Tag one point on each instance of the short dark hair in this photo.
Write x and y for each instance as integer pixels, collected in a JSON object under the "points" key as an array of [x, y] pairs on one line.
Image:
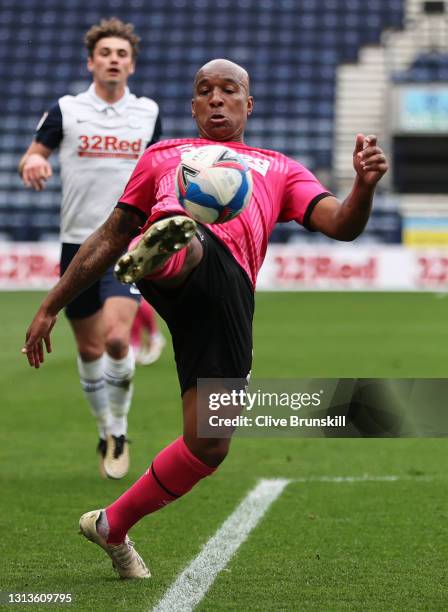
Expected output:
{"points": [[111, 27]]}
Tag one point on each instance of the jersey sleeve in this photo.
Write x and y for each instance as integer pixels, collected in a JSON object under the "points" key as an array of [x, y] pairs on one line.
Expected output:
{"points": [[150, 190], [302, 192], [49, 129], [139, 192], [157, 133]]}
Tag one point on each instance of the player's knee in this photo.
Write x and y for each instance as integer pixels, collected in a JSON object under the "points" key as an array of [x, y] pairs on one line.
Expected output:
{"points": [[117, 344], [89, 355], [90, 351]]}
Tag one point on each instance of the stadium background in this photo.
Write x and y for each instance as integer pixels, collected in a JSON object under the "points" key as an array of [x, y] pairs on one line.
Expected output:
{"points": [[321, 71]]}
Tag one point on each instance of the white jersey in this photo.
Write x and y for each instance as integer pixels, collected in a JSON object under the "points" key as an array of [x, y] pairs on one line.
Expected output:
{"points": [[99, 145]]}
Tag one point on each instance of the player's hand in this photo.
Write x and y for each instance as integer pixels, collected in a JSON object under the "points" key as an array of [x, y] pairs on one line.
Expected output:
{"points": [[39, 333], [36, 171], [369, 160]]}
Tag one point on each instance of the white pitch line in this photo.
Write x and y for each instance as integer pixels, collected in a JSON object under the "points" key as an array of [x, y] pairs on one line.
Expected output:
{"points": [[192, 584], [364, 478]]}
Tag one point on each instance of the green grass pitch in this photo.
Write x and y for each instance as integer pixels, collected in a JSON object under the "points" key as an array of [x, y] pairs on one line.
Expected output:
{"points": [[321, 546]]}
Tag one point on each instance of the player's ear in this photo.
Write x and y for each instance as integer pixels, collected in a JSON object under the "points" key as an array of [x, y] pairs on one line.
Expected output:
{"points": [[90, 63], [132, 68], [193, 114], [250, 105]]}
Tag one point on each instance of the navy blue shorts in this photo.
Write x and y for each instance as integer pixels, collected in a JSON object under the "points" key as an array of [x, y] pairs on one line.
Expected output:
{"points": [[93, 298], [209, 316]]}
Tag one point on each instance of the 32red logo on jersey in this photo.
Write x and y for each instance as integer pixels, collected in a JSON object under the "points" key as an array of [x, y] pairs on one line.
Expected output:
{"points": [[109, 146]]}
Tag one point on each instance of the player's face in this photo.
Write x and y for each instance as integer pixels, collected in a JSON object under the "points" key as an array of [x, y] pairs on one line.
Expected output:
{"points": [[112, 62], [221, 104]]}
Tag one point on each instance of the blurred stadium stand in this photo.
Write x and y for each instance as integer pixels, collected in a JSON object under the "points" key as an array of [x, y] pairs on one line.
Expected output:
{"points": [[431, 67], [295, 52]]}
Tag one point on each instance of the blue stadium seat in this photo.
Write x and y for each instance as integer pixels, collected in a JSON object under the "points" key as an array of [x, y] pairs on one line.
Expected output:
{"points": [[291, 49]]}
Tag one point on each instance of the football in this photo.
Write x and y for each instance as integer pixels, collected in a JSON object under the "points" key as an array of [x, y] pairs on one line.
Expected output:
{"points": [[213, 184]]}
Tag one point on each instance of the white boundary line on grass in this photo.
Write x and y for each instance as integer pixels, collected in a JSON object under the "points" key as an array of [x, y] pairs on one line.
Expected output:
{"points": [[194, 581], [364, 478], [192, 584]]}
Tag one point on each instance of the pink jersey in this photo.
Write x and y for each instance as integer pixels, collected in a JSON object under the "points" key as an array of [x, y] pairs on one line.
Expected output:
{"points": [[283, 190]]}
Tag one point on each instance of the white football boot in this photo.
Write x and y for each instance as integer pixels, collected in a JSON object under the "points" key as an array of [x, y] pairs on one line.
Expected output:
{"points": [[159, 242], [116, 459], [125, 559]]}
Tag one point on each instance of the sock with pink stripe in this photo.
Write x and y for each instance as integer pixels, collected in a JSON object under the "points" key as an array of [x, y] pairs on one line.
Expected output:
{"points": [[174, 471]]}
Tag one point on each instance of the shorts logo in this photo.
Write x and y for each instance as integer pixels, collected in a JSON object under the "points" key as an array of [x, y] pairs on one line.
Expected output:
{"points": [[109, 146]]}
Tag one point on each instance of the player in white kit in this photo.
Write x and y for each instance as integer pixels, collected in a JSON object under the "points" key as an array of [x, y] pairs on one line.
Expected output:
{"points": [[100, 133]]}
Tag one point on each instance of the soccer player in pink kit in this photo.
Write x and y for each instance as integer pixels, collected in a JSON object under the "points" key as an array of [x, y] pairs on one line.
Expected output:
{"points": [[201, 279]]}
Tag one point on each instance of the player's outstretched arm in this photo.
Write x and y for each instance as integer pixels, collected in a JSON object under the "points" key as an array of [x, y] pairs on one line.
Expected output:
{"points": [[34, 167], [346, 220], [97, 253]]}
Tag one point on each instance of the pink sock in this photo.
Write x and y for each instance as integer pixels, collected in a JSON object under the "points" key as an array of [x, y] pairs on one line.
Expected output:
{"points": [[144, 319], [174, 471], [171, 267], [148, 317], [136, 329]]}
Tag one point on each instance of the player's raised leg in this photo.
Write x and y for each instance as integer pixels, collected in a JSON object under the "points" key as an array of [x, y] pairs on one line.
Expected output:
{"points": [[119, 368], [151, 251]]}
